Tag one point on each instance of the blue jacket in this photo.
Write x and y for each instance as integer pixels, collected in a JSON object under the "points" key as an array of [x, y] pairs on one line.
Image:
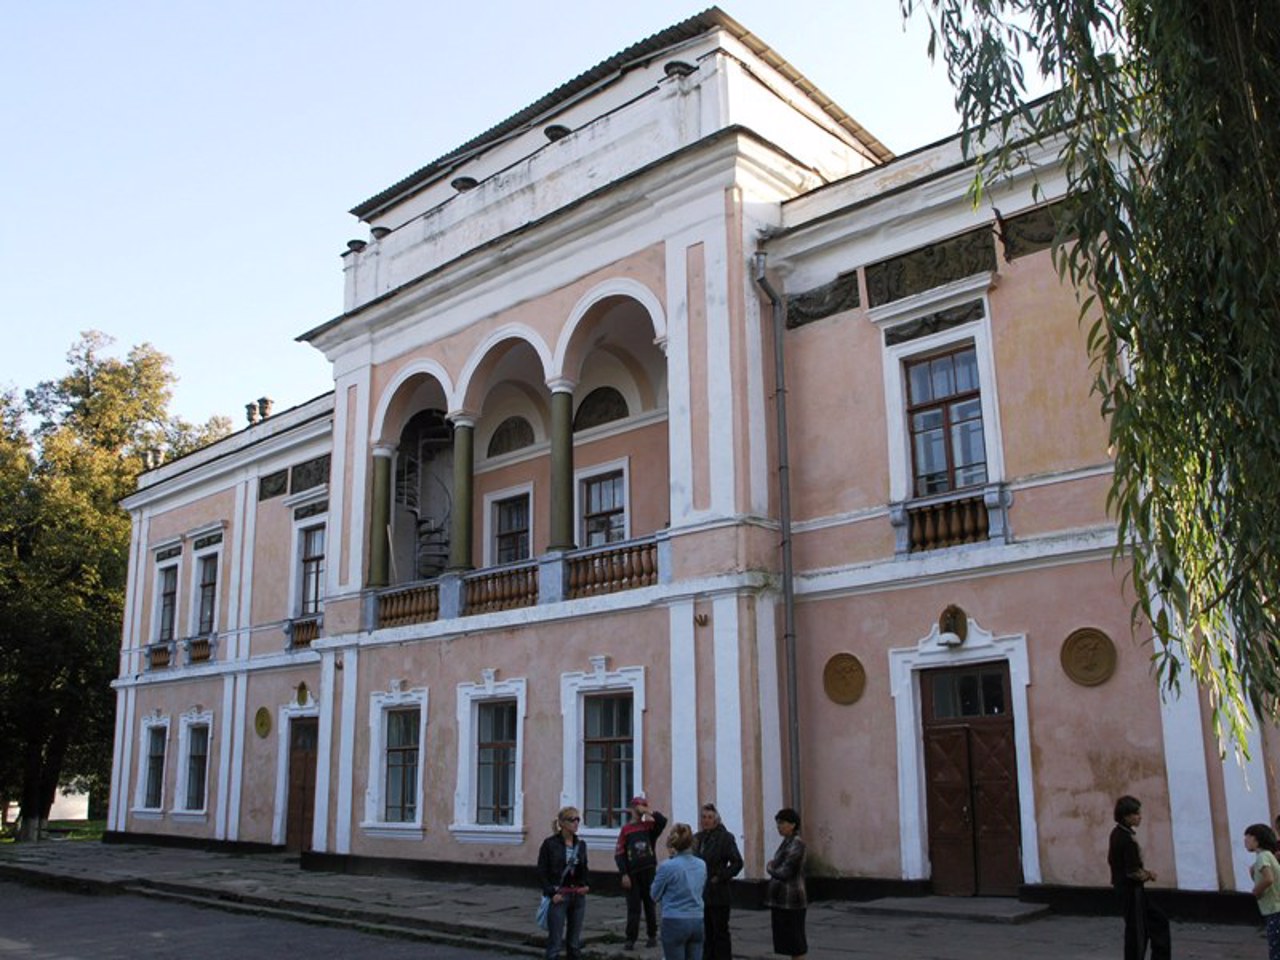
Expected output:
{"points": [[678, 884]]}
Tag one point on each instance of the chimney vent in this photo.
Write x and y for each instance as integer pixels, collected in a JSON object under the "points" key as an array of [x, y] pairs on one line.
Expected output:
{"points": [[251, 412], [264, 407]]}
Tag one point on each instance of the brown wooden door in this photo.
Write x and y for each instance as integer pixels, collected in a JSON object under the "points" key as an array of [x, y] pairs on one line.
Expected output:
{"points": [[300, 813], [971, 781]]}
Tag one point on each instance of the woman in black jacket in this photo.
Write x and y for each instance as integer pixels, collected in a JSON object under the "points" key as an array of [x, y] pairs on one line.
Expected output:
{"points": [[717, 848], [562, 868]]}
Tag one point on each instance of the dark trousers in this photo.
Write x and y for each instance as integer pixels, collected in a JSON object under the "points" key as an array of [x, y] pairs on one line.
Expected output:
{"points": [[1143, 923], [715, 918], [639, 894]]}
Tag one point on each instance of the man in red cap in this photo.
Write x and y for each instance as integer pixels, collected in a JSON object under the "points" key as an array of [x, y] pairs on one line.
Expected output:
{"points": [[637, 859]]}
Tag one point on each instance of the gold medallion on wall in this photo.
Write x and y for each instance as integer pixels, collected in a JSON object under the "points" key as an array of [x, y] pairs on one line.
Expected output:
{"points": [[844, 678], [262, 722], [1088, 656]]}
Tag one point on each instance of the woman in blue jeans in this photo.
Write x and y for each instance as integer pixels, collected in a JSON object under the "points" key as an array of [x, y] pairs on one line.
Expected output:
{"points": [[677, 888], [562, 868]]}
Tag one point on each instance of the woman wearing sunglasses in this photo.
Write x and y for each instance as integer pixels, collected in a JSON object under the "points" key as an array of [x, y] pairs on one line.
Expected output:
{"points": [[562, 868]]}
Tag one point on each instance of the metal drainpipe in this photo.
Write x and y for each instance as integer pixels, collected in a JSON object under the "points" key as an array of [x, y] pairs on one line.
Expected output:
{"points": [[784, 510]]}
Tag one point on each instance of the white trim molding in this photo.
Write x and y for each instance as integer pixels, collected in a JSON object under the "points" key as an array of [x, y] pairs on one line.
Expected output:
{"points": [[905, 666], [574, 689], [284, 716], [381, 703], [464, 828], [152, 721], [195, 717]]}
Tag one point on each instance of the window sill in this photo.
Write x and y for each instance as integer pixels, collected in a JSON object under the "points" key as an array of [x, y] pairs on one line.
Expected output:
{"points": [[189, 816], [484, 833], [394, 831], [600, 834], [147, 813]]}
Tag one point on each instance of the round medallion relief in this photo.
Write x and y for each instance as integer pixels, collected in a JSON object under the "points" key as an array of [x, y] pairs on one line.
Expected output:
{"points": [[844, 678], [1088, 656], [262, 722]]}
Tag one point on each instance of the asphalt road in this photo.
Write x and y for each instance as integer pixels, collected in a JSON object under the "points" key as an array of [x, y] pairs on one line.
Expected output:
{"points": [[42, 924]]}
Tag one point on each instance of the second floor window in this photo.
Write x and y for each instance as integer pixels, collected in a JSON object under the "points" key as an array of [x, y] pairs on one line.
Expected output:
{"points": [[608, 750], [511, 522], [312, 584], [168, 602], [604, 509], [208, 594], [402, 766], [944, 410]]}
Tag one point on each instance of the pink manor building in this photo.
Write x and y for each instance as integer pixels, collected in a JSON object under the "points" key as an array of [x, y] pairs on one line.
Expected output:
{"points": [[533, 549]]}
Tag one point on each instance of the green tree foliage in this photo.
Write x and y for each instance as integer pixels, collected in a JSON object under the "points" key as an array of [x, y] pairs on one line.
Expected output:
{"points": [[64, 543], [1167, 120]]}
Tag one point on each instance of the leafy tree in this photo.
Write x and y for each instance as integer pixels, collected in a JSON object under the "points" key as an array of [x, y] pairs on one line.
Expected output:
{"points": [[64, 544], [1167, 121]]}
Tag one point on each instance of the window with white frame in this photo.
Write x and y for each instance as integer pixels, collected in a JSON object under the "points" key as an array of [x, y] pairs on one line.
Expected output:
{"points": [[489, 800], [311, 570], [608, 755], [508, 525], [401, 766], [166, 601], [397, 736], [940, 389], [206, 593], [944, 416], [603, 714], [193, 758], [602, 494], [154, 739]]}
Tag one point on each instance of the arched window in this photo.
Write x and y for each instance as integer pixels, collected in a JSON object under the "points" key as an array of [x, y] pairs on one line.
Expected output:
{"points": [[513, 433], [601, 405]]}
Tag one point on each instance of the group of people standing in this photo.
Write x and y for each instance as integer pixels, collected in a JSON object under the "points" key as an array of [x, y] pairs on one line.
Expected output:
{"points": [[692, 886], [1145, 923]]}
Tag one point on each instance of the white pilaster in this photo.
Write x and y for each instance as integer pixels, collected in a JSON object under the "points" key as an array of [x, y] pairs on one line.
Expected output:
{"points": [[346, 751], [684, 714], [728, 679], [1187, 774]]}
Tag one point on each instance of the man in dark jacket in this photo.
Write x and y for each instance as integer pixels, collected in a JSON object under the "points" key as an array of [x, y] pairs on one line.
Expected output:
{"points": [[637, 859], [1143, 922], [719, 850]]}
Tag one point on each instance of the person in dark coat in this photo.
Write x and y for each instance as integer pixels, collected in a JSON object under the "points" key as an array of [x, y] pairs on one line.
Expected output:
{"points": [[786, 897], [562, 870], [637, 858], [717, 848], [1143, 922]]}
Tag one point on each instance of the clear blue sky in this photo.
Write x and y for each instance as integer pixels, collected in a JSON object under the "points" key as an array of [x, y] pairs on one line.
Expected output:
{"points": [[179, 171]]}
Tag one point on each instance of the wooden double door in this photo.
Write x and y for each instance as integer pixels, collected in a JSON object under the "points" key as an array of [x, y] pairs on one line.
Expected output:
{"points": [[972, 781], [300, 810]]}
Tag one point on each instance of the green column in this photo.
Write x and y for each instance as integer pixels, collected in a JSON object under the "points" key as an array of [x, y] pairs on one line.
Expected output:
{"points": [[380, 518], [463, 456], [562, 467]]}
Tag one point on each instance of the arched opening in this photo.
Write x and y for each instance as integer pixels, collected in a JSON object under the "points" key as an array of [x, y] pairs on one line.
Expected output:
{"points": [[423, 504]]}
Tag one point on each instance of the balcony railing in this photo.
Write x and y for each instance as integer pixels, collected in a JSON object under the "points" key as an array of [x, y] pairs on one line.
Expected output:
{"points": [[303, 631], [159, 655], [419, 603], [202, 648], [624, 566], [950, 520], [502, 589], [549, 579]]}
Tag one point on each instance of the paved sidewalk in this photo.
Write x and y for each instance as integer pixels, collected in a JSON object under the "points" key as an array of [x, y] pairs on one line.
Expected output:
{"points": [[501, 917]]}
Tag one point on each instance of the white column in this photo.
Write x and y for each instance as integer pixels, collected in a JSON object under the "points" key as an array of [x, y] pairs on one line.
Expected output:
{"points": [[346, 750], [1245, 782], [684, 714], [228, 735], [771, 773], [728, 680], [1187, 775], [324, 752], [679, 438]]}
